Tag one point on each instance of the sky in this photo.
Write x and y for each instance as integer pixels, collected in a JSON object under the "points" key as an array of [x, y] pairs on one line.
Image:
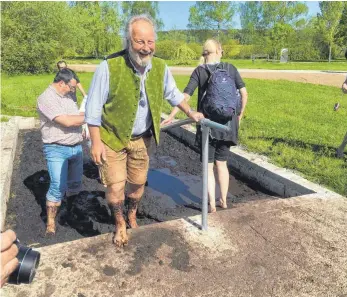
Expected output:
{"points": [[175, 14]]}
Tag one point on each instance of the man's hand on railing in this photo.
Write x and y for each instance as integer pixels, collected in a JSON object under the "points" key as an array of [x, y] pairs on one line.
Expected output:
{"points": [[167, 121], [196, 116]]}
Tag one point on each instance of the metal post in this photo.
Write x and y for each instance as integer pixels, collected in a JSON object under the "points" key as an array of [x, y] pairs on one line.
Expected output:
{"points": [[205, 126], [205, 136]]}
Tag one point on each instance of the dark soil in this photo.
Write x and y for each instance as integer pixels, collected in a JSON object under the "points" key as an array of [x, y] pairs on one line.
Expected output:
{"points": [[89, 213]]}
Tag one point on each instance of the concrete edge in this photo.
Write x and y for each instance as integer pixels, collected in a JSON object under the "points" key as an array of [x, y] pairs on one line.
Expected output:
{"points": [[280, 181], [9, 138]]}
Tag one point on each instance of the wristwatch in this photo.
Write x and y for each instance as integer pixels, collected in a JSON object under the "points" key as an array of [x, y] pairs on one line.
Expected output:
{"points": [[189, 111]]}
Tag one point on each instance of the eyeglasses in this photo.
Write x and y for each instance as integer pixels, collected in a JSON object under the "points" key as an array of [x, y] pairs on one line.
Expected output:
{"points": [[72, 88]]}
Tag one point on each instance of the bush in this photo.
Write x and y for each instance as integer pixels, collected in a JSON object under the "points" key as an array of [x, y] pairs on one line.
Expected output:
{"points": [[184, 55], [197, 48], [166, 49]]}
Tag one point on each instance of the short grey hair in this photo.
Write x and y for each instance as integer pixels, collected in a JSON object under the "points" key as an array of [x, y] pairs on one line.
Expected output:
{"points": [[131, 21]]}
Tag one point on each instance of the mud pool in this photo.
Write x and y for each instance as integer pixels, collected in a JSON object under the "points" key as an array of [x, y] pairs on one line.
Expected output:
{"points": [[174, 191]]}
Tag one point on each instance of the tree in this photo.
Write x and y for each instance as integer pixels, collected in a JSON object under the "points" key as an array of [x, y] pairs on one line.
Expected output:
{"points": [[151, 8], [341, 35], [33, 35], [98, 25], [270, 25], [216, 15], [328, 21]]}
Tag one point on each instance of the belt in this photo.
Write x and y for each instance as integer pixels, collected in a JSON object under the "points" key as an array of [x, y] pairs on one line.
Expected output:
{"points": [[68, 145], [148, 133]]}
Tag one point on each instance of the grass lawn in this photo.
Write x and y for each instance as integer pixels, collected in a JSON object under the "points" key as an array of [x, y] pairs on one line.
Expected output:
{"points": [[258, 64], [292, 123]]}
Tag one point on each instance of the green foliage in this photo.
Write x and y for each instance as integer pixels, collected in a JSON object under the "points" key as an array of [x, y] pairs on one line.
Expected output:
{"points": [[31, 36], [151, 8], [328, 21], [183, 54], [196, 48], [166, 49], [35, 35], [211, 15]]}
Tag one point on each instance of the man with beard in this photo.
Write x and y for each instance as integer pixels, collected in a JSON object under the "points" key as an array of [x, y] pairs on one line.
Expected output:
{"points": [[62, 137], [123, 112]]}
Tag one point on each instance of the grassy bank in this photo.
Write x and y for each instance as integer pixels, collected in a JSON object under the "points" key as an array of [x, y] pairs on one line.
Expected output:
{"points": [[292, 123]]}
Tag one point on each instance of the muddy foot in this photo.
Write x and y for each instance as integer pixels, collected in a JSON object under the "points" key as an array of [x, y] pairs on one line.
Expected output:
{"points": [[50, 230], [120, 238]]}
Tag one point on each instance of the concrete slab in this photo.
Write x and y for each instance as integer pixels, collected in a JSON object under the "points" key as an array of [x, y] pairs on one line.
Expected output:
{"points": [[9, 137], [284, 247]]}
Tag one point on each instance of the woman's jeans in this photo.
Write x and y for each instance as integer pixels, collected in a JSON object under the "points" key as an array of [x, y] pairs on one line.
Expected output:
{"points": [[65, 168]]}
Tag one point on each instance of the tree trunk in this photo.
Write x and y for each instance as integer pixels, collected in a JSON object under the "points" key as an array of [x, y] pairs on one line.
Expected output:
{"points": [[329, 53]]}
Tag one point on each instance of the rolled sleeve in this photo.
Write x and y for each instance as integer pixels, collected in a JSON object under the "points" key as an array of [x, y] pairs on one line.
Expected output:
{"points": [[97, 94], [171, 93]]}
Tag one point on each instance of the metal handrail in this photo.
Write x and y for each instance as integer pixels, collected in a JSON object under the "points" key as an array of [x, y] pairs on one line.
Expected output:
{"points": [[206, 125]]}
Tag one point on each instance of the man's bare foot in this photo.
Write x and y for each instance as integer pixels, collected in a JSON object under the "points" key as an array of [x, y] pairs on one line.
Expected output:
{"points": [[120, 238]]}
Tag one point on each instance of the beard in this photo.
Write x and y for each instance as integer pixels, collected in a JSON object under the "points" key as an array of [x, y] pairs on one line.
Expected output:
{"points": [[142, 58]]}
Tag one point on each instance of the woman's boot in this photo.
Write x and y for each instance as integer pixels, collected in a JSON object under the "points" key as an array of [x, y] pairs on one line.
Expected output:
{"points": [[51, 214]]}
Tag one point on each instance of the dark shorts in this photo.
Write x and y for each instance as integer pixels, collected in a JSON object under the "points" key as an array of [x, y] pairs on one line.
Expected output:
{"points": [[218, 150]]}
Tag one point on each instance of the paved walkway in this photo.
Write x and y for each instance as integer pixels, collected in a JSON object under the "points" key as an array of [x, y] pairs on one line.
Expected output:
{"points": [[277, 247]]}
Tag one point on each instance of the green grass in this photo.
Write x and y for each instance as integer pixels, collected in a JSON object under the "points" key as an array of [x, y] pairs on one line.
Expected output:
{"points": [[4, 119], [19, 93], [294, 125], [291, 123]]}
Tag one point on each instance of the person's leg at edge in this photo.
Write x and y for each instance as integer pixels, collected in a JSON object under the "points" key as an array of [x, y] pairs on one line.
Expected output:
{"points": [[223, 180], [115, 199], [221, 155], [57, 165], [211, 188]]}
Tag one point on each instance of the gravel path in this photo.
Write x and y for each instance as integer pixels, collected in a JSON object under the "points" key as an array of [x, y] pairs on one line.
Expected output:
{"points": [[304, 76]]}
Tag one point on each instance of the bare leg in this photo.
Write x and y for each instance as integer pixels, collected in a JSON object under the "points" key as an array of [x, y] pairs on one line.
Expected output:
{"points": [[135, 193], [223, 180], [115, 198], [52, 209], [211, 187], [341, 148]]}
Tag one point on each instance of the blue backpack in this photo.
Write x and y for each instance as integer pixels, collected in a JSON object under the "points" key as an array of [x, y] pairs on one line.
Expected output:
{"points": [[221, 99]]}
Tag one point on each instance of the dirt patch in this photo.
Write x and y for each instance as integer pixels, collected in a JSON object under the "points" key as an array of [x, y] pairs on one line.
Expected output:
{"points": [[88, 214]]}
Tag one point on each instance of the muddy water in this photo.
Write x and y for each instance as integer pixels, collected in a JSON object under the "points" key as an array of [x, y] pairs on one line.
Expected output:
{"points": [[174, 191]]}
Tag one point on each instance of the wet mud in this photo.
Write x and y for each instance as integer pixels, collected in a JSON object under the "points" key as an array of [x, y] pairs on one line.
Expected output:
{"points": [[173, 191]]}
